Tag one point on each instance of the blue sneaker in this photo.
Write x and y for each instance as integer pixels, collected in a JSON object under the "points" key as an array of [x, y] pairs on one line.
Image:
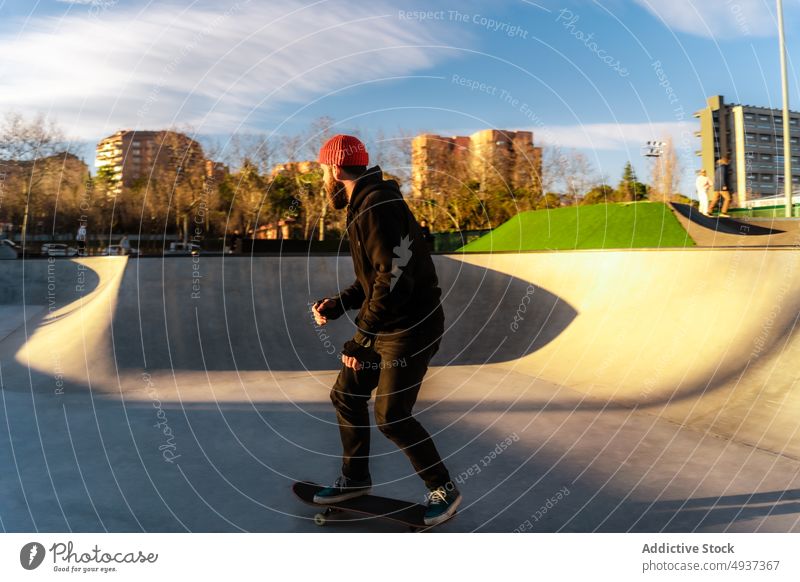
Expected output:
{"points": [[442, 504], [343, 489]]}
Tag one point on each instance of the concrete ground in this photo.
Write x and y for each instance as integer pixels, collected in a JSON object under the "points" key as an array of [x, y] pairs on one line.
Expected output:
{"points": [[574, 391]]}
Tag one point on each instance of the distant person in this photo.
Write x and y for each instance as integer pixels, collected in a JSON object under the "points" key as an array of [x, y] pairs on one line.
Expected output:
{"points": [[81, 239], [722, 187], [234, 241], [703, 185], [125, 245], [426, 233], [400, 326]]}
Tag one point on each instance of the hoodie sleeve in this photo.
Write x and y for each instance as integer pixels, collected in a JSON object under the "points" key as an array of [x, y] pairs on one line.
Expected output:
{"points": [[352, 297], [381, 224]]}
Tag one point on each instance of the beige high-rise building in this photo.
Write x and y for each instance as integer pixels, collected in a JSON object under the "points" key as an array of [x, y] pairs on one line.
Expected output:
{"points": [[304, 167], [495, 159], [132, 155]]}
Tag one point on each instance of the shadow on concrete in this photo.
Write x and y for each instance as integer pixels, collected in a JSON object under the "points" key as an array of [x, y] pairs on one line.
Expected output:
{"points": [[712, 512], [254, 314], [721, 224], [101, 466], [53, 284]]}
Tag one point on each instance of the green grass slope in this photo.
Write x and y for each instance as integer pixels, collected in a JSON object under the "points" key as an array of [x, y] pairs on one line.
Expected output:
{"points": [[600, 226]]}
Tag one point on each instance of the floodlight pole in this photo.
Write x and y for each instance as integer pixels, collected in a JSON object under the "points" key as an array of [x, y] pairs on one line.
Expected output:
{"points": [[787, 140]]}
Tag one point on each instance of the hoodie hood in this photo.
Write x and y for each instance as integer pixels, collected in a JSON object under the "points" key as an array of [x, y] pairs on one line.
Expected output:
{"points": [[370, 181]]}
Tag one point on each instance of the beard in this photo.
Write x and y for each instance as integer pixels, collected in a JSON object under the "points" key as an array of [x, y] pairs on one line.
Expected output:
{"points": [[337, 195]]}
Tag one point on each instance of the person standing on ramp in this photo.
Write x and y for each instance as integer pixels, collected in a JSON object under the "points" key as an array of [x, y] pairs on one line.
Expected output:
{"points": [[399, 327]]}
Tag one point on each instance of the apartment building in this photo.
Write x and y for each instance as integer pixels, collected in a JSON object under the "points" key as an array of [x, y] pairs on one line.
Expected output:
{"points": [[133, 155], [751, 137], [495, 158]]}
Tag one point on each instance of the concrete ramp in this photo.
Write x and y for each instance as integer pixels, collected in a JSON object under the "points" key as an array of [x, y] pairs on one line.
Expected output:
{"points": [[240, 314], [716, 231], [707, 339], [651, 390], [12, 317]]}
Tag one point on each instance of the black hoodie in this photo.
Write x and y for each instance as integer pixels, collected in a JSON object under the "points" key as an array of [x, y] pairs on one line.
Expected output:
{"points": [[396, 284]]}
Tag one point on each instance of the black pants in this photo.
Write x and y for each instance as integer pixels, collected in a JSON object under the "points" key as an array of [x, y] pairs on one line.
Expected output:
{"points": [[396, 368]]}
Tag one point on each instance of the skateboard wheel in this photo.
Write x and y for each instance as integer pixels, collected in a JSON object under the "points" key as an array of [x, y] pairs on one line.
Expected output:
{"points": [[319, 519]]}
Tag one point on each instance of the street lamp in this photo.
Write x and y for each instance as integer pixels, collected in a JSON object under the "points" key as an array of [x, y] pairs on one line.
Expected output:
{"points": [[653, 149], [787, 141]]}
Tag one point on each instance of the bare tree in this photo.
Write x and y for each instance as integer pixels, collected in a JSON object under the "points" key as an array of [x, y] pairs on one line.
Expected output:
{"points": [[250, 195], [554, 168], [580, 175], [27, 145], [393, 153], [321, 130], [255, 148], [666, 173], [179, 176]]}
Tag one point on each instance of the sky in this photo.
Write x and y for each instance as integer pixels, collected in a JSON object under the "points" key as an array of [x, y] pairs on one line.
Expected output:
{"points": [[602, 77]]}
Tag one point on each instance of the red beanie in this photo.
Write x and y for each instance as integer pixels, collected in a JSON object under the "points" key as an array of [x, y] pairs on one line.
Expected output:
{"points": [[343, 150]]}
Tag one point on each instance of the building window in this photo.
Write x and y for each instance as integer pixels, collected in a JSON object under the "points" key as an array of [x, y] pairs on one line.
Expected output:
{"points": [[749, 137], [766, 177], [764, 138], [766, 157], [763, 118], [749, 116]]}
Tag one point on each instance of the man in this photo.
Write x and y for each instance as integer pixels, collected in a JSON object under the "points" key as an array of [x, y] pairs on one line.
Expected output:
{"points": [[400, 324], [426, 233], [81, 239], [702, 186], [234, 242], [721, 188]]}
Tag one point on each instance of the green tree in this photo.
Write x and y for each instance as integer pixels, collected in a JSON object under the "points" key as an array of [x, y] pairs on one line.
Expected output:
{"points": [[281, 199], [602, 194], [630, 189], [249, 195]]}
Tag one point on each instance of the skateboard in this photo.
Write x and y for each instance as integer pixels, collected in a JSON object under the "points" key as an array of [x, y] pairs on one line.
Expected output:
{"points": [[403, 512]]}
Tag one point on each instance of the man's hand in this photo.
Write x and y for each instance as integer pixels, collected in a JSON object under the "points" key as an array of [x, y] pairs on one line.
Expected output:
{"points": [[320, 307], [351, 362], [354, 355]]}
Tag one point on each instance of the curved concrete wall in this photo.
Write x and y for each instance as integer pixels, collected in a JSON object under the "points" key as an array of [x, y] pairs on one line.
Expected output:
{"points": [[53, 282], [705, 338]]}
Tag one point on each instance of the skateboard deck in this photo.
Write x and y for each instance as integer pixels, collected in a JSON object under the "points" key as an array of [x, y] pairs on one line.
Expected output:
{"points": [[403, 512]]}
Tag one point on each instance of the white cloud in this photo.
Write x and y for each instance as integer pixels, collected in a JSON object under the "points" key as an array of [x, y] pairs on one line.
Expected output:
{"points": [[166, 65], [92, 2], [716, 18], [610, 137], [616, 136]]}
